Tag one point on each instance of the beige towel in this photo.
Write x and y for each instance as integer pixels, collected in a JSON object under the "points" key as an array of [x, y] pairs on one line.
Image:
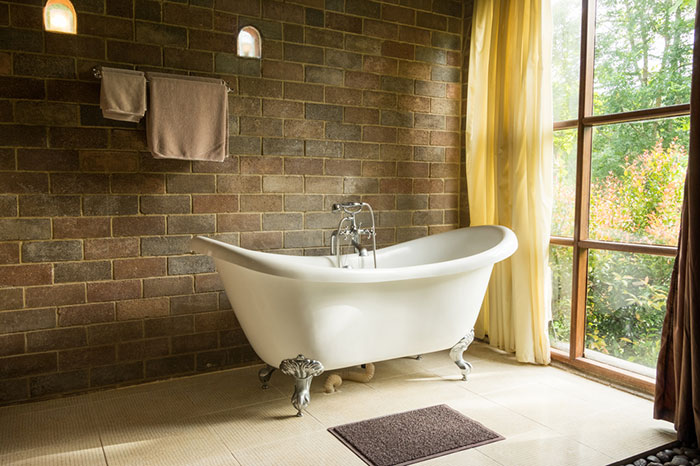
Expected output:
{"points": [[187, 118], [123, 94]]}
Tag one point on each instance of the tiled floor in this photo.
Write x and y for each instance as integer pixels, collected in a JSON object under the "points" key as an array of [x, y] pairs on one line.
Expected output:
{"points": [[548, 416]]}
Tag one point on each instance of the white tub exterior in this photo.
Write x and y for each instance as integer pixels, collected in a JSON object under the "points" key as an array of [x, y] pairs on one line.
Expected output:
{"points": [[424, 296]]}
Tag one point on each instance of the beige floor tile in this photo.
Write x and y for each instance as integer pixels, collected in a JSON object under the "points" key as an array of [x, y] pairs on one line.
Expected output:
{"points": [[310, 449], [52, 431], [50, 457], [543, 447], [177, 450], [471, 457], [258, 424]]}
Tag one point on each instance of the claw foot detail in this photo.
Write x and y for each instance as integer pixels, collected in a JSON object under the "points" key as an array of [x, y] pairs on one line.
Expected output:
{"points": [[265, 374], [303, 370], [457, 351]]}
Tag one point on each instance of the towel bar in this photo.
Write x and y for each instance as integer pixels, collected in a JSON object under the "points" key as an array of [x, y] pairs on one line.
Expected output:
{"points": [[97, 72]]}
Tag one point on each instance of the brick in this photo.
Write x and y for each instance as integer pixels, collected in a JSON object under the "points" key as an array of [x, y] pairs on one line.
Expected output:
{"points": [[238, 222], [343, 167], [229, 165], [343, 22], [47, 159], [282, 108], [398, 50], [25, 275], [85, 314], [170, 366], [446, 41], [195, 342], [431, 21], [23, 135], [324, 37], [72, 91], [44, 66], [208, 282], [31, 319], [261, 203], [409, 233], [302, 91], [321, 220], [139, 267], [282, 70], [11, 344], [109, 161], [356, 150], [413, 169], [143, 349], [82, 271], [378, 134], [395, 185], [201, 302], [115, 374], [109, 248], [303, 166], [21, 88], [303, 129], [340, 95], [18, 366], [428, 186], [380, 29], [187, 59], [46, 340], [190, 264], [52, 251], [129, 140], [191, 183], [129, 52], [244, 7], [360, 185], [178, 224], [379, 99], [444, 201], [147, 9], [275, 146], [13, 390], [255, 126], [343, 132], [362, 80], [214, 203], [43, 205], [138, 226], [9, 253], [168, 326], [8, 206], [46, 113], [429, 121], [261, 240], [165, 245], [142, 308], [324, 148], [79, 183], [314, 17], [260, 87], [114, 332], [70, 138], [398, 14], [371, 168], [187, 16], [81, 358], [342, 59], [228, 63], [210, 321], [281, 184], [444, 73], [55, 295], [317, 74], [431, 55], [113, 290], [324, 184], [167, 286], [444, 170], [282, 221], [414, 136], [165, 204], [76, 46], [22, 183], [428, 217], [380, 65]]}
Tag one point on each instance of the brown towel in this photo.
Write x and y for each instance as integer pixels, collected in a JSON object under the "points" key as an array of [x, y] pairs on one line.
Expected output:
{"points": [[123, 94], [187, 118]]}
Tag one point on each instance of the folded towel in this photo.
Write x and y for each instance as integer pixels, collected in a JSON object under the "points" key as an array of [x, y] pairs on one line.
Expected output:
{"points": [[123, 94], [187, 118]]}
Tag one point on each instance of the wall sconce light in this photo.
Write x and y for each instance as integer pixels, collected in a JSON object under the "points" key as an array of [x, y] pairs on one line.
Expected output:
{"points": [[59, 16], [249, 42]]}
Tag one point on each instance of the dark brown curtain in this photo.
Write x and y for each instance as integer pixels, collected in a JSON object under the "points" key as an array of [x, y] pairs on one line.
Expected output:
{"points": [[677, 396]]}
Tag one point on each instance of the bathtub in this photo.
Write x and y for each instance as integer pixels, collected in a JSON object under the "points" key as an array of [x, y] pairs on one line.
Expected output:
{"points": [[424, 296]]}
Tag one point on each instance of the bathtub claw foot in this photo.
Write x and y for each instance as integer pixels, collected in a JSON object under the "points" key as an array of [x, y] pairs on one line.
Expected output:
{"points": [[457, 351], [265, 374], [303, 370]]}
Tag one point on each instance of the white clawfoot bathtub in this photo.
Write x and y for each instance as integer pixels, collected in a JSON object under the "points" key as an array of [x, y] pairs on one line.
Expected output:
{"points": [[424, 296]]}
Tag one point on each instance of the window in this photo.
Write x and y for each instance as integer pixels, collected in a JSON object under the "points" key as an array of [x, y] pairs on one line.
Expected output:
{"points": [[249, 42], [59, 16], [621, 87]]}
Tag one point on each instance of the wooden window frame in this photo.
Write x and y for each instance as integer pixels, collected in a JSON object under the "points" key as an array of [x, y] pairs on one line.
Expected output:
{"points": [[580, 242]]}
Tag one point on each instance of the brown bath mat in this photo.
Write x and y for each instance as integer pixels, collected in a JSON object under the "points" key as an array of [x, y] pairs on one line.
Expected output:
{"points": [[413, 436]]}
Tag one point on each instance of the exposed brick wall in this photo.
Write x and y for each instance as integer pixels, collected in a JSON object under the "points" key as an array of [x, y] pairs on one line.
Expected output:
{"points": [[353, 100]]}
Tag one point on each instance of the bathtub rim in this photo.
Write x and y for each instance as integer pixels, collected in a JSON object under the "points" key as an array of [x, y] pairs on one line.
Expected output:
{"points": [[292, 267]]}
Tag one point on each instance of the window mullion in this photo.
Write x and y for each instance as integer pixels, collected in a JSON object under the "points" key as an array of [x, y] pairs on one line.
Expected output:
{"points": [[583, 175]]}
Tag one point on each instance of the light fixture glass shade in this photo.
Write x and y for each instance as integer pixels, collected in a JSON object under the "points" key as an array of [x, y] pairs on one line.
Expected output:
{"points": [[249, 42], [59, 16]]}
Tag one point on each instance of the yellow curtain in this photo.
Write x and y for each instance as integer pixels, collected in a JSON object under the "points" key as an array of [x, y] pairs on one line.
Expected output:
{"points": [[509, 165]]}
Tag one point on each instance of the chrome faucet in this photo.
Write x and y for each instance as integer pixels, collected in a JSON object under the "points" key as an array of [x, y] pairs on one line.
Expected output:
{"points": [[353, 231]]}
